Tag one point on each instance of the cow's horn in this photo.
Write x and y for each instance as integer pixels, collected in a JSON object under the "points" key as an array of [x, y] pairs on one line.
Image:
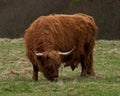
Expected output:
{"points": [[66, 53], [39, 54]]}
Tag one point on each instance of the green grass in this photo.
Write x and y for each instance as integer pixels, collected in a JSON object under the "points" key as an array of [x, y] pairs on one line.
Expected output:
{"points": [[16, 73]]}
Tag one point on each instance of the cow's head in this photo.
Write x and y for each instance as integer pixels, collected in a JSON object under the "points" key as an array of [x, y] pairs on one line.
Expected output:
{"points": [[50, 63]]}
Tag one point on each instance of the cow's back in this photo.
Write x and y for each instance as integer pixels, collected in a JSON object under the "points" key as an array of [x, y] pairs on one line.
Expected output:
{"points": [[60, 32]]}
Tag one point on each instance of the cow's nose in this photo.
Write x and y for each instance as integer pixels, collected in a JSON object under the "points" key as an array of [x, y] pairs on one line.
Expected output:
{"points": [[55, 79]]}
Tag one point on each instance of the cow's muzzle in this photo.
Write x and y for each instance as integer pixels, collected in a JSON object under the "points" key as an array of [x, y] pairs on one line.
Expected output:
{"points": [[54, 79]]}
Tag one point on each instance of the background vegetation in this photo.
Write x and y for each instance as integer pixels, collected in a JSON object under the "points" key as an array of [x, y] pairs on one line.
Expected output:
{"points": [[17, 15], [16, 73], [16, 70]]}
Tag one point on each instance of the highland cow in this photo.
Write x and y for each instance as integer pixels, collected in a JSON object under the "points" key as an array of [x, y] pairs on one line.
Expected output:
{"points": [[51, 40]]}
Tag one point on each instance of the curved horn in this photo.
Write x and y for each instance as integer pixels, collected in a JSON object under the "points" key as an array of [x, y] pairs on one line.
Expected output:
{"points": [[38, 54], [66, 53]]}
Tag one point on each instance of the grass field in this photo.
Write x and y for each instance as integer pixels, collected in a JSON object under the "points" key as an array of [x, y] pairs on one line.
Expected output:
{"points": [[16, 73]]}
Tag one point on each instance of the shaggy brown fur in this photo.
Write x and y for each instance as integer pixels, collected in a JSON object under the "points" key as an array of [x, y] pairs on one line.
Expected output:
{"points": [[54, 33]]}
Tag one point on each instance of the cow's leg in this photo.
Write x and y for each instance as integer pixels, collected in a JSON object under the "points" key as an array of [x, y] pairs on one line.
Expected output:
{"points": [[90, 69], [33, 60], [35, 73], [89, 52], [84, 65], [35, 70]]}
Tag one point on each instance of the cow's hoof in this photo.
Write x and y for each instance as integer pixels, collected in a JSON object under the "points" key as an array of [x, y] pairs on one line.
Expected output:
{"points": [[91, 73], [34, 79], [84, 75]]}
